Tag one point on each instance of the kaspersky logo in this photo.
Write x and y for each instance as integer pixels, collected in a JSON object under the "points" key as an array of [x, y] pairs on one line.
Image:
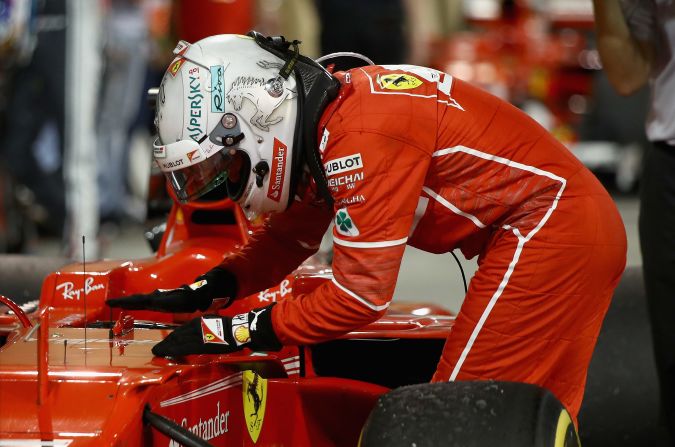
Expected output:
{"points": [[278, 170]]}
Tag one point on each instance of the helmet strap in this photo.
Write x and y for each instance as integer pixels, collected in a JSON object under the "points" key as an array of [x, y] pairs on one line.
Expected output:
{"points": [[288, 67], [316, 88]]}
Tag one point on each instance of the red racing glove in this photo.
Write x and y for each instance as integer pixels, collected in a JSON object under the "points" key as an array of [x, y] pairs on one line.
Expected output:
{"points": [[213, 334], [199, 295]]}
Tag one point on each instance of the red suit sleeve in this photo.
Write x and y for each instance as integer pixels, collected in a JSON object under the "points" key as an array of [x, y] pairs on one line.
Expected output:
{"points": [[283, 242], [375, 181]]}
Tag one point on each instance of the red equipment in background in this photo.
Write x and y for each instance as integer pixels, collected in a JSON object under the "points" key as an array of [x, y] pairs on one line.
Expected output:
{"points": [[527, 56]]}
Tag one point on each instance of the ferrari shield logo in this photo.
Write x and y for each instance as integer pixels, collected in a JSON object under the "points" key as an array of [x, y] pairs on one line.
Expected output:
{"points": [[175, 66], [255, 397], [398, 81], [212, 331]]}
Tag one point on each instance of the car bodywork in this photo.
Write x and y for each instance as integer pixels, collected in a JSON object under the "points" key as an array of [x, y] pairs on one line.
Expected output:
{"points": [[75, 372]]}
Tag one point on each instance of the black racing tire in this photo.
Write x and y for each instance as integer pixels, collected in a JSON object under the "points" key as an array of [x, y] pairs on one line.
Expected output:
{"points": [[621, 401], [21, 276], [469, 414]]}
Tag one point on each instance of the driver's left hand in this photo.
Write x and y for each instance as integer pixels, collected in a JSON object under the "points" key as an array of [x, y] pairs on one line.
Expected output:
{"points": [[215, 334]]}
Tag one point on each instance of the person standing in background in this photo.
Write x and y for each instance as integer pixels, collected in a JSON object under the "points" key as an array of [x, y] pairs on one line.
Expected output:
{"points": [[635, 39], [35, 99], [375, 28], [59, 83], [125, 59], [400, 31]]}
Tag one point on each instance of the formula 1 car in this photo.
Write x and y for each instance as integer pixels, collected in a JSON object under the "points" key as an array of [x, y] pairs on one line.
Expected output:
{"points": [[74, 372]]}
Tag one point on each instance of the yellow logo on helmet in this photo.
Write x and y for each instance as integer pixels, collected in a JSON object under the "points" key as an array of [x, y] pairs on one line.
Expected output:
{"points": [[255, 400], [175, 66], [398, 81]]}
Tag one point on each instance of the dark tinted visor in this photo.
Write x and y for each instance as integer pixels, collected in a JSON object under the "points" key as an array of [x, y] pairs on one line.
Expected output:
{"points": [[194, 181]]}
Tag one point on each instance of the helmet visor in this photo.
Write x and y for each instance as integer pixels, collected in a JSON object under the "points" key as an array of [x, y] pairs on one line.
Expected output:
{"points": [[191, 174]]}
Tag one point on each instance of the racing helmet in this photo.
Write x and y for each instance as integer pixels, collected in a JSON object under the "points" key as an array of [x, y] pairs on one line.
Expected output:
{"points": [[227, 114]]}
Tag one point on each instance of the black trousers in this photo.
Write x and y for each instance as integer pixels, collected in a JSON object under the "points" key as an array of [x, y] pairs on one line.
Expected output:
{"points": [[37, 96], [657, 242], [374, 28]]}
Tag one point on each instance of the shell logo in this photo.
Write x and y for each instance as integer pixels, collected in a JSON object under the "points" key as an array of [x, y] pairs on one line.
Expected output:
{"points": [[242, 334]]}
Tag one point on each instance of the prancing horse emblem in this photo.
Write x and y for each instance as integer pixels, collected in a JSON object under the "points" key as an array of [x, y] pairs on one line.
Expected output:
{"points": [[255, 399]]}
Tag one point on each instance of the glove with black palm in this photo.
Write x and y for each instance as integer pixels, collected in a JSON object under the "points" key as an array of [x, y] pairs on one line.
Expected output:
{"points": [[213, 334], [199, 295]]}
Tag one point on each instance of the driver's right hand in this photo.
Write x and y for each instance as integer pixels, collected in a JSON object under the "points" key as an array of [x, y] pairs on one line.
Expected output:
{"points": [[216, 283]]}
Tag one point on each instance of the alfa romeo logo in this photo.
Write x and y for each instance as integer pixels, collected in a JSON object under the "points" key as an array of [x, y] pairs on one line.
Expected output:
{"points": [[344, 223]]}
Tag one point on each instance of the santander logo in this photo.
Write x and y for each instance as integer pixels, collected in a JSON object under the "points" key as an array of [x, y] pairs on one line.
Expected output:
{"points": [[278, 170]]}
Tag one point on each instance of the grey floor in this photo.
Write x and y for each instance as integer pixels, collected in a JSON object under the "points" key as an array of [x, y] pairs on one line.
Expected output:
{"points": [[423, 277]]}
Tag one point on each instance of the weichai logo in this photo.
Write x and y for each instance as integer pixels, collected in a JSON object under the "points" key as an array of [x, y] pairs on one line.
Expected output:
{"points": [[278, 170]]}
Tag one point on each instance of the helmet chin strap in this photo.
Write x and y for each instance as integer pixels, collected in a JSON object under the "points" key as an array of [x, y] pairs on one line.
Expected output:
{"points": [[316, 89]]}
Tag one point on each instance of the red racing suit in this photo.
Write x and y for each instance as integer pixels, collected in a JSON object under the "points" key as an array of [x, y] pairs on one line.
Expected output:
{"points": [[414, 156]]}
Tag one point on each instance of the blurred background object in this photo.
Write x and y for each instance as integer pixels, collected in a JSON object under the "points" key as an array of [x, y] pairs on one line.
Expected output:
{"points": [[635, 41], [125, 53], [48, 92], [377, 30]]}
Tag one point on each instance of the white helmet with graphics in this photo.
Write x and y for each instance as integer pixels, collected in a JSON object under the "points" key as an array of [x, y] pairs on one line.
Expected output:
{"points": [[227, 113]]}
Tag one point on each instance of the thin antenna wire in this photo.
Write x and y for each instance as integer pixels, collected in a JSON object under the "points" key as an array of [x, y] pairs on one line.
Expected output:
{"points": [[111, 334], [84, 287]]}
